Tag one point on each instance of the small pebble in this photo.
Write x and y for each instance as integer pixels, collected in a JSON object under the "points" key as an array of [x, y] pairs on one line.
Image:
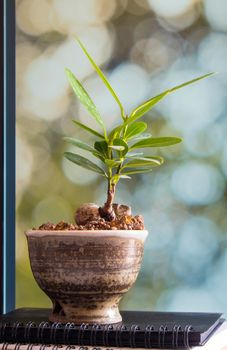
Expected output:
{"points": [[86, 213], [122, 210]]}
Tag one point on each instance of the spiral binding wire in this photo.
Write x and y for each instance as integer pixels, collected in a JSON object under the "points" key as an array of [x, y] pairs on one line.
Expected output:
{"points": [[30, 346], [93, 330], [40, 331], [27, 330], [93, 335], [56, 347], [14, 330], [132, 340], [118, 336], [175, 334], [106, 330], [82, 328], [67, 328], [5, 345], [42, 347], [53, 331], [70, 347], [118, 339], [187, 330], [147, 340], [17, 346], [2, 331], [161, 336]]}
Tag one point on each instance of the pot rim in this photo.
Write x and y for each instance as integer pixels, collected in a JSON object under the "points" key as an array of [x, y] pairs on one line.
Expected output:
{"points": [[138, 234]]}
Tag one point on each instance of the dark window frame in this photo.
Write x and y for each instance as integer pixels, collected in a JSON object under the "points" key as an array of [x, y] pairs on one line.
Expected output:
{"points": [[7, 156]]}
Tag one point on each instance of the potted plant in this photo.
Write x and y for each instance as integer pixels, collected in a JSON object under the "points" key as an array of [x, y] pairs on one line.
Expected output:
{"points": [[86, 268]]}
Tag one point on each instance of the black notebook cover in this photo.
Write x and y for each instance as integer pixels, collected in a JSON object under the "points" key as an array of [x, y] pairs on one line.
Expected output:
{"points": [[139, 329]]}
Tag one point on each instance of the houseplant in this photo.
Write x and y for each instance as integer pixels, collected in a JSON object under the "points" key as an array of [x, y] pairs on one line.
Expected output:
{"points": [[86, 268]]}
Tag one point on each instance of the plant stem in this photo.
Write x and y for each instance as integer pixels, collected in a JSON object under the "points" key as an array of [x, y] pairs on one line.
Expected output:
{"points": [[107, 211], [110, 195]]}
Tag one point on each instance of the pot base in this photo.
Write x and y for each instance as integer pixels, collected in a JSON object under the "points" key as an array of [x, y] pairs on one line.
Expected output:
{"points": [[79, 315]]}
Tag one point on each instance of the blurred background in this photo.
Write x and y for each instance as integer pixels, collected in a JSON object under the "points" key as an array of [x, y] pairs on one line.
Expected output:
{"points": [[144, 47]]}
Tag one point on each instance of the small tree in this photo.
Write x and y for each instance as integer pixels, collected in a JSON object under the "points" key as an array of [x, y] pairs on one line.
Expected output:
{"points": [[119, 149]]}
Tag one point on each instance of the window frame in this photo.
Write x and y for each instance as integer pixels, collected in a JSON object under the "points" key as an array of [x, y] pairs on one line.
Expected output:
{"points": [[7, 156]]}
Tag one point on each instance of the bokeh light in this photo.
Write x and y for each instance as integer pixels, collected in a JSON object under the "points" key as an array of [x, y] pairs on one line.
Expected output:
{"points": [[24, 163], [52, 208], [216, 279], [180, 109], [132, 84], [212, 54], [224, 159], [69, 54], [196, 183], [191, 262], [45, 70], [205, 142], [34, 17], [178, 23], [188, 298], [215, 13], [170, 8], [157, 52], [72, 17]]}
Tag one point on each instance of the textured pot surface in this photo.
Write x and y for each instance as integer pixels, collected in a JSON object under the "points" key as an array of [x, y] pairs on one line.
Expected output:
{"points": [[85, 273]]}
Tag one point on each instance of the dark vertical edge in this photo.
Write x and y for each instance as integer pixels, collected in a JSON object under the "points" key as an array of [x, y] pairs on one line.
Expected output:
{"points": [[1, 157], [9, 157]]}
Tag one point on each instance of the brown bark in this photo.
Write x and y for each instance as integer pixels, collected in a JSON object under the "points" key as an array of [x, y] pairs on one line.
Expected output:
{"points": [[107, 211]]}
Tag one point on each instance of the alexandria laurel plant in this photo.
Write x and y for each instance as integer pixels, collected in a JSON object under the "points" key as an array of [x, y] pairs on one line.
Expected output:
{"points": [[120, 150]]}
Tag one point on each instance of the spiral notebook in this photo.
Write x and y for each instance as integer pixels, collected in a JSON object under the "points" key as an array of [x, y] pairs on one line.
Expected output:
{"points": [[139, 329], [218, 341]]}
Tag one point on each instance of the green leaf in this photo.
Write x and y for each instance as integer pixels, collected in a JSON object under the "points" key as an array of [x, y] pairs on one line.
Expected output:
{"points": [[102, 76], [112, 162], [84, 162], [119, 145], [137, 171], [102, 148], [117, 177], [144, 162], [135, 129], [115, 133], [99, 156], [143, 136], [117, 148], [134, 154], [78, 143], [91, 131], [157, 142], [145, 107], [123, 176], [84, 98], [139, 111], [191, 81]]}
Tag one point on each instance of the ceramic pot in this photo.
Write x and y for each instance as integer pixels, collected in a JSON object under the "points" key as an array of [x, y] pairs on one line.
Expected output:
{"points": [[85, 273]]}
